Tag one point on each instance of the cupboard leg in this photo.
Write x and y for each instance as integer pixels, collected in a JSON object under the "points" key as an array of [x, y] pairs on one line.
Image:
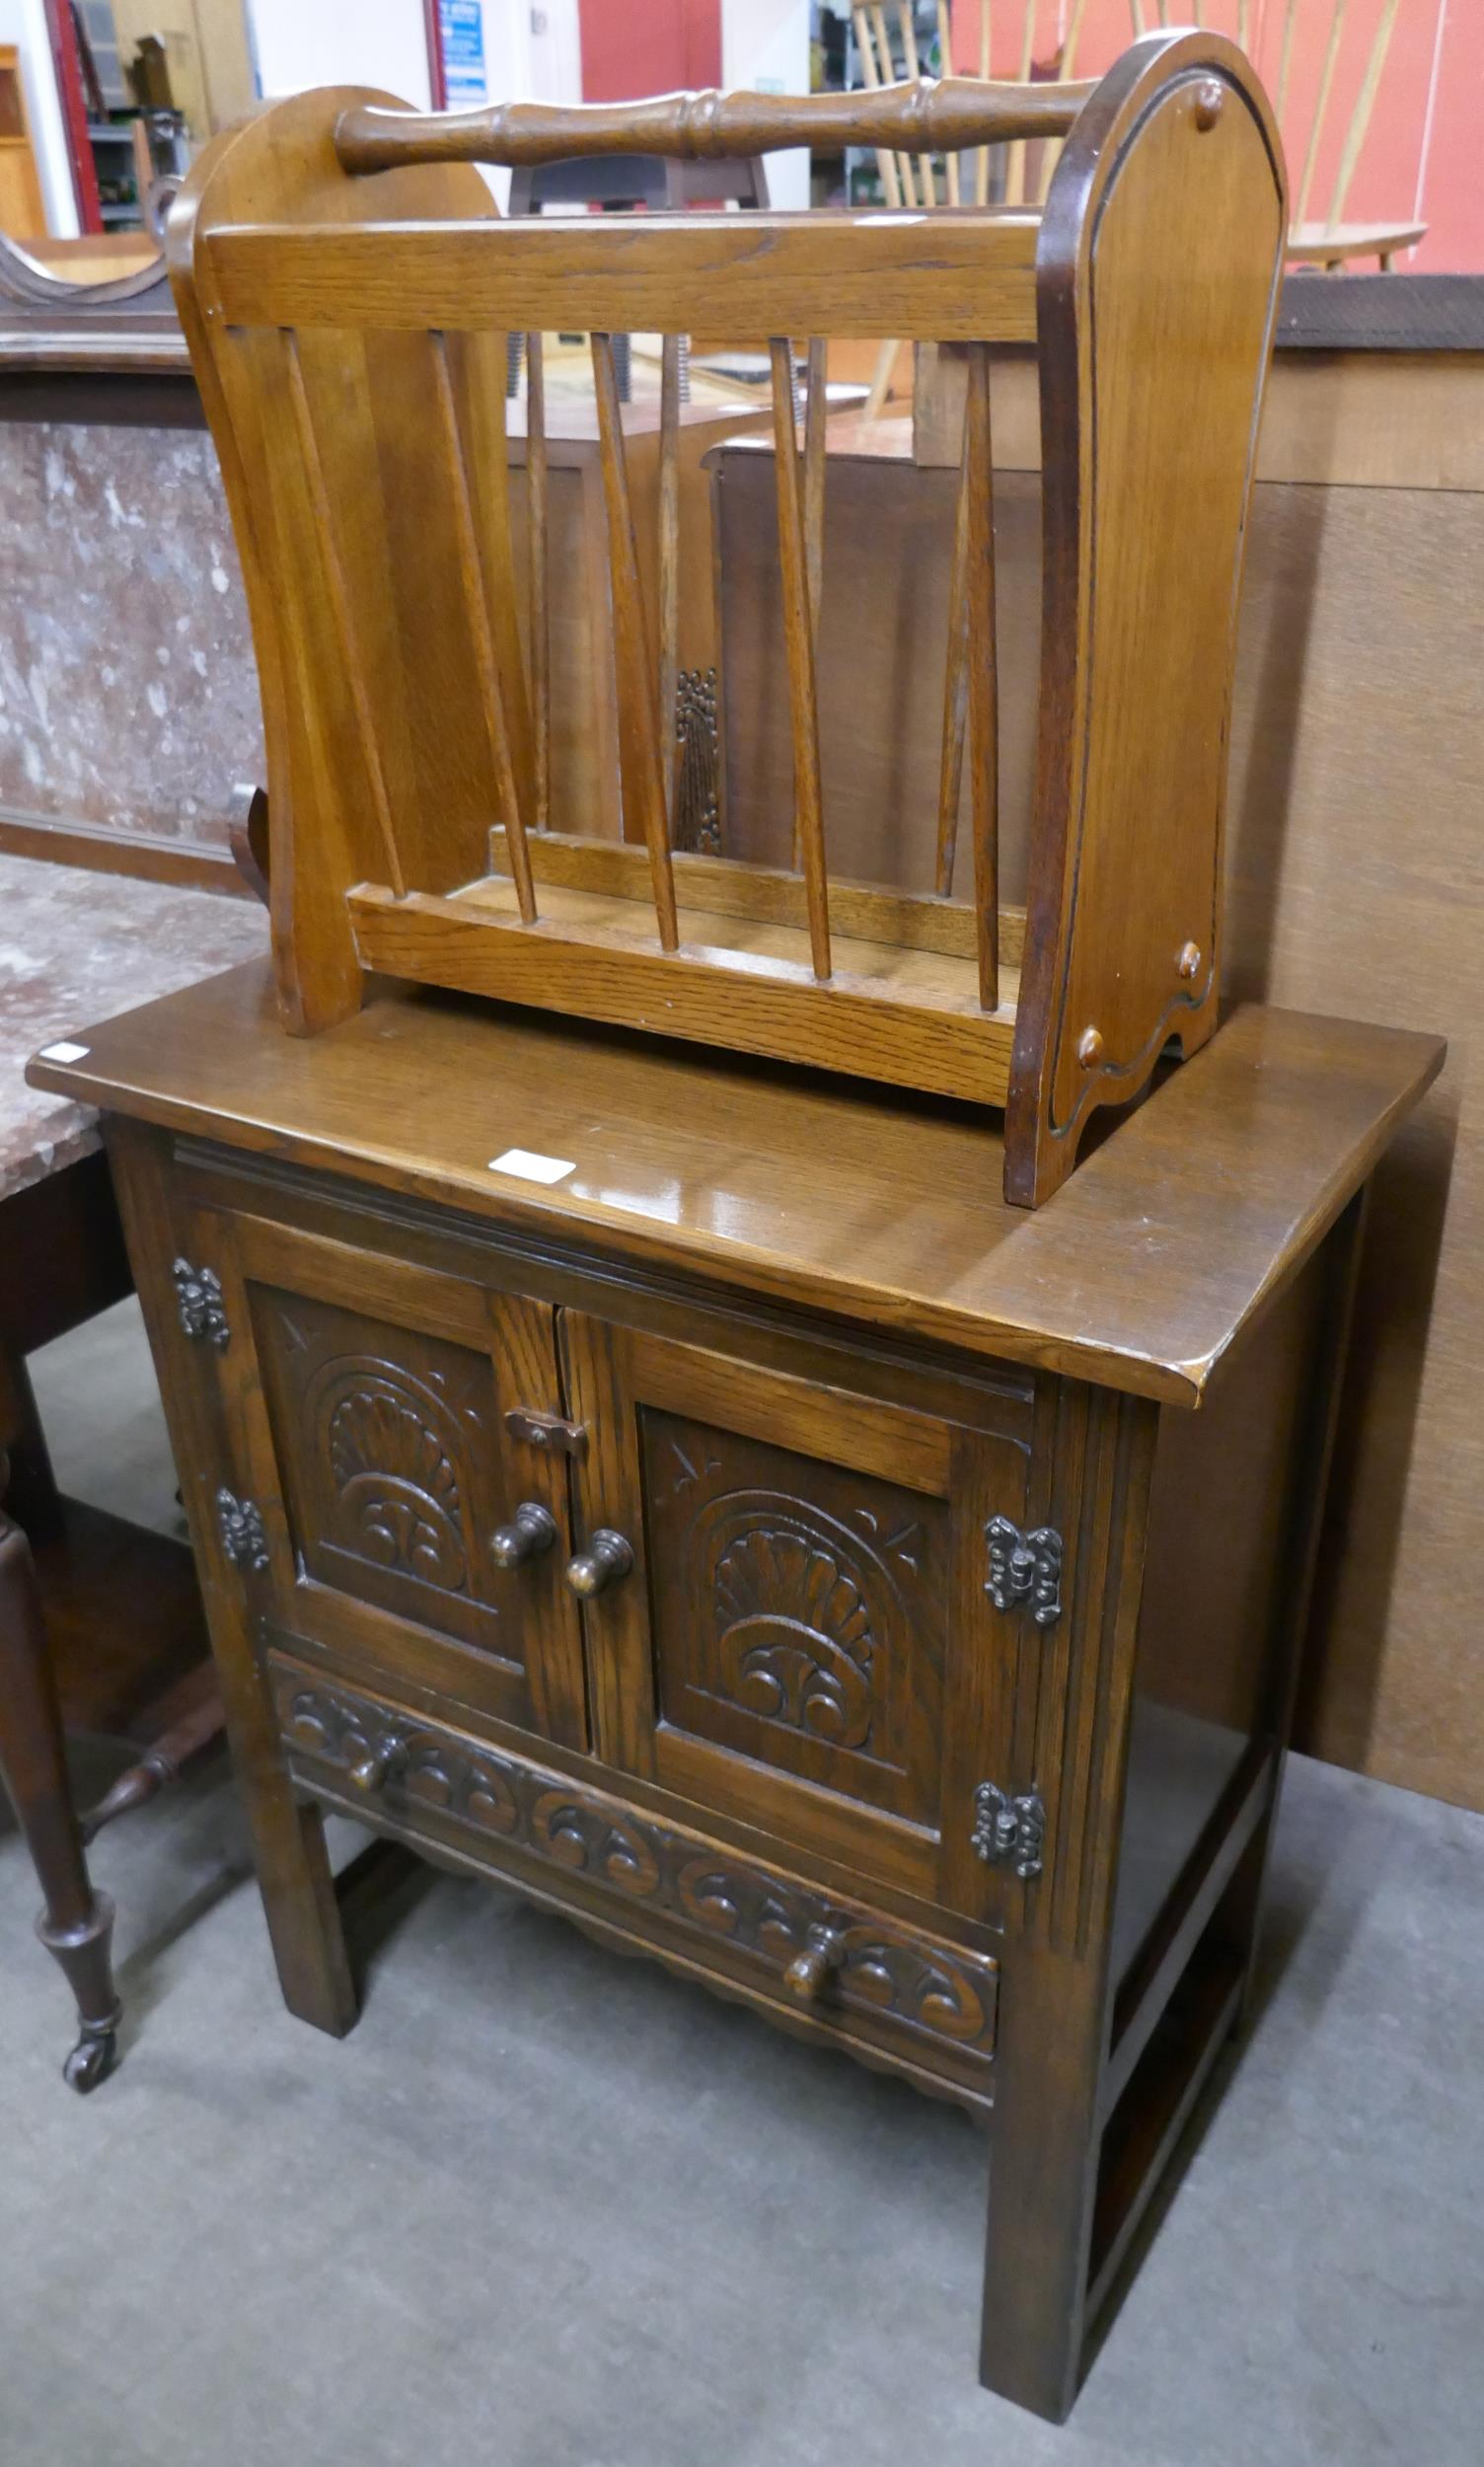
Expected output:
{"points": [[294, 1875], [76, 1925], [293, 1868], [1043, 2176]]}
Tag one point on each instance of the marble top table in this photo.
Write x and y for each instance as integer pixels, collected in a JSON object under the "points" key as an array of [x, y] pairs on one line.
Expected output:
{"points": [[75, 945]]}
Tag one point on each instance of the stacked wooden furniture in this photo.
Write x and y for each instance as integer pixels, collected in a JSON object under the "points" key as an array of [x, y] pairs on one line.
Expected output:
{"points": [[683, 1486]]}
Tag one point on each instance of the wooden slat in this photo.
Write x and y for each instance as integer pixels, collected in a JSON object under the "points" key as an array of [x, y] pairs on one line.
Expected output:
{"points": [[638, 749], [1321, 109], [537, 541], [955, 702], [977, 516], [957, 278], [1014, 177], [799, 641], [926, 188], [912, 920], [875, 52], [1051, 152], [905, 175], [1364, 105], [981, 159], [494, 689], [945, 69], [816, 414], [887, 161], [903, 1033], [1285, 58], [339, 602], [669, 560]]}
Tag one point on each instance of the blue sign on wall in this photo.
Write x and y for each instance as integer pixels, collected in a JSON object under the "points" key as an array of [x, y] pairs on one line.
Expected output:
{"points": [[461, 33]]}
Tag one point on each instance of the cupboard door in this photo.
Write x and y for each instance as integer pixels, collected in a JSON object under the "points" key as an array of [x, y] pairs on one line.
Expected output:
{"points": [[803, 1638], [370, 1400]]}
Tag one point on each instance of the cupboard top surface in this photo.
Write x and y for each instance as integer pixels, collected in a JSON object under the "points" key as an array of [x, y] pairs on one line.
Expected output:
{"points": [[1140, 1275]]}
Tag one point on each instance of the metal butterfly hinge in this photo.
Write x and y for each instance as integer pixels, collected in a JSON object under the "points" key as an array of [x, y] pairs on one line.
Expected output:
{"points": [[1008, 1832], [1025, 1568]]}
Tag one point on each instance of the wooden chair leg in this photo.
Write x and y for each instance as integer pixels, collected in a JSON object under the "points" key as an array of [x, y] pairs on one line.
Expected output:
{"points": [[76, 1925], [31, 1488]]}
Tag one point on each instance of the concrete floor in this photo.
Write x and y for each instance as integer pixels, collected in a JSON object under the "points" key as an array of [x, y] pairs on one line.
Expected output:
{"points": [[550, 2208]]}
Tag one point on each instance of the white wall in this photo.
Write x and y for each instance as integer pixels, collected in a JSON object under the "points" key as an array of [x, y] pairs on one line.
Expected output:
{"points": [[765, 45], [521, 64], [384, 42], [341, 42], [24, 22], [556, 55]]}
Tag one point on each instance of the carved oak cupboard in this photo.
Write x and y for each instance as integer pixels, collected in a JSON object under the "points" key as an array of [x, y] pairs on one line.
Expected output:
{"points": [[763, 1543], [696, 1489]]}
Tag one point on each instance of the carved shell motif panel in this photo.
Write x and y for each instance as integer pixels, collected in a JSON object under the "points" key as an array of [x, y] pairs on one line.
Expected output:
{"points": [[794, 1637], [798, 1612], [383, 1440], [391, 1461]]}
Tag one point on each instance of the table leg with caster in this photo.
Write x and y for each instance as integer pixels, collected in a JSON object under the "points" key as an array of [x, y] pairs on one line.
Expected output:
{"points": [[76, 1925]]}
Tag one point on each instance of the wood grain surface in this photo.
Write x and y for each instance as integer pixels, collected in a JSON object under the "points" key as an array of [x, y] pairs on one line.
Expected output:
{"points": [[1144, 1275], [1354, 885]]}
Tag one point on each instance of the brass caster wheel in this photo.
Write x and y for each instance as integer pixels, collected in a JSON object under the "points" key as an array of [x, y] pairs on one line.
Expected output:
{"points": [[91, 2060]]}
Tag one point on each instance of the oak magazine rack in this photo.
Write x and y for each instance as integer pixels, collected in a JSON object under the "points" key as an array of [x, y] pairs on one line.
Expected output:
{"points": [[347, 288]]}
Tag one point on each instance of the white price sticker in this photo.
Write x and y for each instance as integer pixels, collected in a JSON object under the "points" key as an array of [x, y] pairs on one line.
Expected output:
{"points": [[524, 1163]]}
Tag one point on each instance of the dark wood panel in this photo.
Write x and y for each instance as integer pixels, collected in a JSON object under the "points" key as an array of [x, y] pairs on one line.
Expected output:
{"points": [[1218, 1599]]}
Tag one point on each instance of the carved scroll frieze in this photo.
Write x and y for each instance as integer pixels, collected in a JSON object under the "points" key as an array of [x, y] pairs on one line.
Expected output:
{"points": [[904, 1978]]}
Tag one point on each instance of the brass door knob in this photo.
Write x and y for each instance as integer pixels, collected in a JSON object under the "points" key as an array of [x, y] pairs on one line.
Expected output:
{"points": [[531, 1531], [824, 1951], [607, 1557], [378, 1764]]}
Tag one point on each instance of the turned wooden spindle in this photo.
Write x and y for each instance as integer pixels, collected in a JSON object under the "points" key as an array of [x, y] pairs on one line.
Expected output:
{"points": [[908, 116]]}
